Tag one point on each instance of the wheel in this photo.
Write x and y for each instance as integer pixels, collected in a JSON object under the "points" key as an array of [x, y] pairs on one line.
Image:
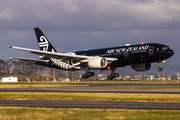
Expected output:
{"points": [[83, 76], [114, 75], [117, 75], [107, 77], [111, 77], [92, 73], [159, 69], [86, 75], [89, 74]]}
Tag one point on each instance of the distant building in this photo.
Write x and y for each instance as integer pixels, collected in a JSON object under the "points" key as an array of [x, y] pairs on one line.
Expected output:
{"points": [[10, 79], [151, 77]]}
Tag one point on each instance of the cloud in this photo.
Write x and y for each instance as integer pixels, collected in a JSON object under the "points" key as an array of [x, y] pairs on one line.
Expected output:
{"points": [[81, 24], [90, 15], [5, 15]]}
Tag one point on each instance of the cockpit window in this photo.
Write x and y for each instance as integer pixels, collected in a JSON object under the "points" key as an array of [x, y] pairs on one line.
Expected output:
{"points": [[165, 48]]}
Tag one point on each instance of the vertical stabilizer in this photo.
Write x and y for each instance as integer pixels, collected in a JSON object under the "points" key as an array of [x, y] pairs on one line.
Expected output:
{"points": [[43, 42]]}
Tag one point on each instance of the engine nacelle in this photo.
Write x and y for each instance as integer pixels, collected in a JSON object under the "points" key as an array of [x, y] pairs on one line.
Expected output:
{"points": [[96, 63], [141, 67]]}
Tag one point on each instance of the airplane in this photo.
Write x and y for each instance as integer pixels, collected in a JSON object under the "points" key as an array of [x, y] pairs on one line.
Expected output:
{"points": [[139, 57]]}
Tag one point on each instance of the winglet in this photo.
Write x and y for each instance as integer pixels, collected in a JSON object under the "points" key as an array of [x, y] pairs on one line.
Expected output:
{"points": [[10, 46]]}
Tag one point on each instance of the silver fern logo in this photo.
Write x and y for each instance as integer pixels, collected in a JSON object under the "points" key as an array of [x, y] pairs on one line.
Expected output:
{"points": [[61, 64], [43, 43]]}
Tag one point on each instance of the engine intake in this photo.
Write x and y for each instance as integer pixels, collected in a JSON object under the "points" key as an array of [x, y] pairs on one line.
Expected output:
{"points": [[96, 63], [141, 67]]}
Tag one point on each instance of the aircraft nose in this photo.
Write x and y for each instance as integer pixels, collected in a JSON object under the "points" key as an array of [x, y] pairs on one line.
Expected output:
{"points": [[171, 52]]}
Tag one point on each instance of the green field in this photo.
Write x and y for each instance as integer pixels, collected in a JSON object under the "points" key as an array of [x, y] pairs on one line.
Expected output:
{"points": [[92, 96], [82, 83], [29, 85], [22, 113]]}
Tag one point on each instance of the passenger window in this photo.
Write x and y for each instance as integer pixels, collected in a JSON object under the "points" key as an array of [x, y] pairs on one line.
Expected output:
{"points": [[164, 48]]}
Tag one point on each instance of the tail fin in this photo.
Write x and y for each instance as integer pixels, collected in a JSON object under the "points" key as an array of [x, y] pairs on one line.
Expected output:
{"points": [[43, 42]]}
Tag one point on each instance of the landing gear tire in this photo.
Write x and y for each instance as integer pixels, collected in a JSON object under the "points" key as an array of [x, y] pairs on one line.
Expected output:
{"points": [[159, 69], [92, 73], [160, 66], [116, 75], [112, 76], [87, 74], [83, 76]]}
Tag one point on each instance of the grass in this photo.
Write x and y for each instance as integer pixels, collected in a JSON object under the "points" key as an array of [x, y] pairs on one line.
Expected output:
{"points": [[8, 113], [21, 113], [26, 85], [143, 89], [93, 96], [82, 83], [130, 82]]}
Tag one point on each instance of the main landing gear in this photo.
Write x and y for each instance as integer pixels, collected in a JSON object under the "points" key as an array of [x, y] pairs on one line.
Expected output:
{"points": [[112, 75], [160, 65], [87, 74]]}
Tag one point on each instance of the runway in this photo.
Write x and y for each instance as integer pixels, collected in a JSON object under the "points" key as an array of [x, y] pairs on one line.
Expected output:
{"points": [[92, 104], [97, 88], [103, 88]]}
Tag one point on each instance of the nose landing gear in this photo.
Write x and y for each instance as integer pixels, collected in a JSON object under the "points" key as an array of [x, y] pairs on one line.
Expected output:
{"points": [[159, 68], [160, 65]]}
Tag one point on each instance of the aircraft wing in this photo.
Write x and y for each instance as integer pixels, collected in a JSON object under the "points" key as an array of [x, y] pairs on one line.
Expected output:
{"points": [[60, 56], [54, 55], [29, 59]]}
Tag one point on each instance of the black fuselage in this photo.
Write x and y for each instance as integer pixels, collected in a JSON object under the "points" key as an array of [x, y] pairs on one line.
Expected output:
{"points": [[132, 54], [126, 55], [139, 56]]}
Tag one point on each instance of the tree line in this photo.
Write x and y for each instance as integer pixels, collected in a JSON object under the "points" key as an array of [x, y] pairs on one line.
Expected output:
{"points": [[27, 69]]}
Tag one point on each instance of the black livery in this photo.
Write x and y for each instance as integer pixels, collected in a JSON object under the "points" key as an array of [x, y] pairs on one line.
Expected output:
{"points": [[139, 56]]}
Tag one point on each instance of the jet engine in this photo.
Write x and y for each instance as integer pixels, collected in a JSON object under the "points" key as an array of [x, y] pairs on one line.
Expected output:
{"points": [[96, 63], [141, 67]]}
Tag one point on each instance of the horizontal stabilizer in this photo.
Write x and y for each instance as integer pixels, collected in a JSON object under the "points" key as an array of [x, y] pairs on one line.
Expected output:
{"points": [[29, 59]]}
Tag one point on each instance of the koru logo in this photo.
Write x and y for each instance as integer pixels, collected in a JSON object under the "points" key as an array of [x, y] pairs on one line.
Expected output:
{"points": [[43, 43]]}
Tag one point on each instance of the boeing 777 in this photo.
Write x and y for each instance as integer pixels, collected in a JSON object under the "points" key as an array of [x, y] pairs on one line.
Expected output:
{"points": [[139, 56]]}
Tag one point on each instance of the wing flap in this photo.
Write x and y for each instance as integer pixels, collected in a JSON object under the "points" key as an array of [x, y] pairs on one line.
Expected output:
{"points": [[29, 59]]}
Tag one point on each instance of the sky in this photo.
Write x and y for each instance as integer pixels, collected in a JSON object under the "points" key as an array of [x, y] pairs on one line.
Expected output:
{"points": [[89, 24]]}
